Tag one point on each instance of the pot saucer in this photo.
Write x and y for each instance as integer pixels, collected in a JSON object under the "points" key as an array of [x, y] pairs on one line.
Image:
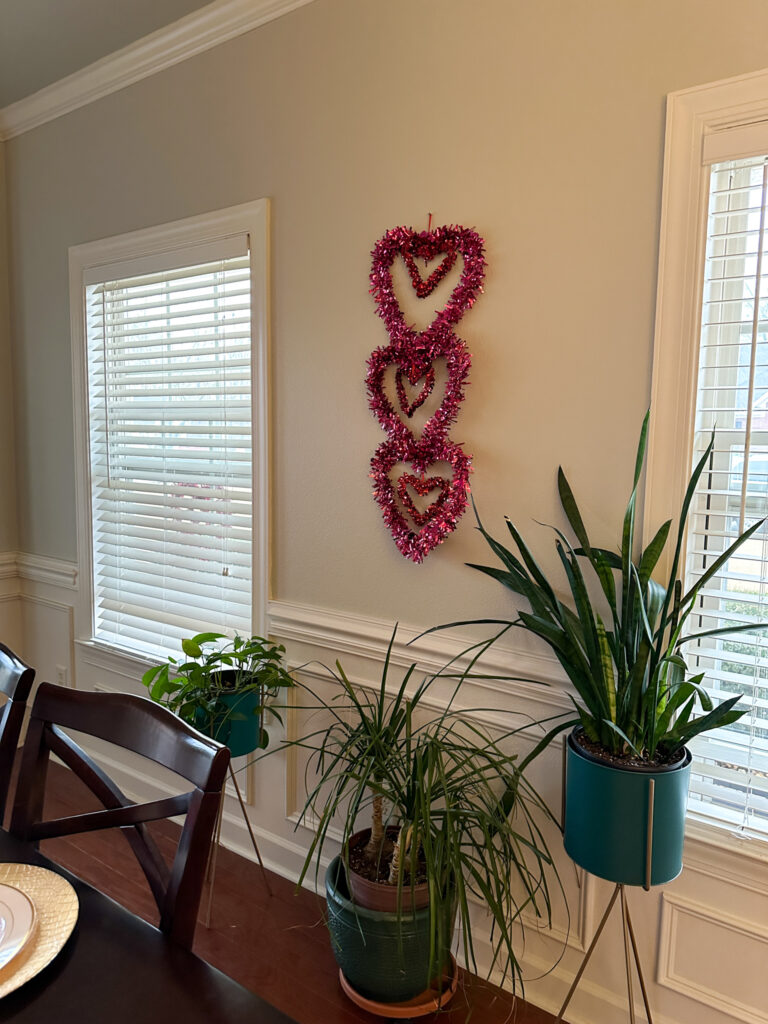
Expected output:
{"points": [[426, 1002]]}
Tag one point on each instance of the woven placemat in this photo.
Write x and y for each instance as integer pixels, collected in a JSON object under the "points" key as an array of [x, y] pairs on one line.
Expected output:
{"points": [[56, 908]]}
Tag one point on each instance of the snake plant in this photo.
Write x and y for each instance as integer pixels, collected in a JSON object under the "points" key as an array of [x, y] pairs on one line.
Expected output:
{"points": [[634, 692]]}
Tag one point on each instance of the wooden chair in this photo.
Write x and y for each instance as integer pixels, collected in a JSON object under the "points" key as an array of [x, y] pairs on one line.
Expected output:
{"points": [[136, 724], [16, 680]]}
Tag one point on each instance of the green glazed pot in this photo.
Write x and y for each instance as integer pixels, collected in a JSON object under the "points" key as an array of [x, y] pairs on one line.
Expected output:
{"points": [[242, 733], [607, 818], [384, 956]]}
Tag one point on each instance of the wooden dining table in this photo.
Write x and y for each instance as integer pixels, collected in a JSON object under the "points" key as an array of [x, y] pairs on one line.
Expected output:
{"points": [[116, 967]]}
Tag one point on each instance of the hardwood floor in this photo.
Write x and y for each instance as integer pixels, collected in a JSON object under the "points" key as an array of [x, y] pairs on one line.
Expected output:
{"points": [[274, 945]]}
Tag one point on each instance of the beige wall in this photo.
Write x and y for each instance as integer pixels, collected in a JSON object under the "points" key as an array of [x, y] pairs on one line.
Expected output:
{"points": [[8, 534], [540, 124]]}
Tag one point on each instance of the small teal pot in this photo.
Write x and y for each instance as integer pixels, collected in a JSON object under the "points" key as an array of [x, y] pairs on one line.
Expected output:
{"points": [[239, 727], [608, 812], [384, 956]]}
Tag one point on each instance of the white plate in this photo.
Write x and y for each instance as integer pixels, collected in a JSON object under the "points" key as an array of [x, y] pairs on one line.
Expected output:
{"points": [[17, 916]]}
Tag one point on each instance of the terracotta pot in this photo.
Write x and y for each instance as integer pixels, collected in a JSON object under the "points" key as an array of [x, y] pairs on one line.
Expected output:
{"points": [[380, 895]]}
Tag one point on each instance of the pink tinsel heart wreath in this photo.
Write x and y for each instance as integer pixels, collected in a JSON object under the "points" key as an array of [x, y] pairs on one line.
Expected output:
{"points": [[422, 485], [414, 375], [427, 245], [457, 364], [443, 514], [423, 287]]}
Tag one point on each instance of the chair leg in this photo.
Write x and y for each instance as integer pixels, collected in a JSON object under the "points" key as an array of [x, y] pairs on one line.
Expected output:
{"points": [[210, 874], [250, 832]]}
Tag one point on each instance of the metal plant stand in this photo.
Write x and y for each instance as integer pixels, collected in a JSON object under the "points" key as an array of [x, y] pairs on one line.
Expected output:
{"points": [[620, 893], [629, 939], [212, 857]]}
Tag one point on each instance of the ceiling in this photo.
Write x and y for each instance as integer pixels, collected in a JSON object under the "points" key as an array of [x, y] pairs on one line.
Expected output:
{"points": [[42, 41]]}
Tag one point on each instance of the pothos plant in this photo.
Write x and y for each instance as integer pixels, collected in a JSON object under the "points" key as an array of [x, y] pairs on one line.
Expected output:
{"points": [[635, 694], [447, 790], [216, 667]]}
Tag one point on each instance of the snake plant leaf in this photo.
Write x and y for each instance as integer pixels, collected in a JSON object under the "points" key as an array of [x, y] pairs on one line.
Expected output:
{"points": [[531, 564], [606, 665], [743, 627], [622, 735], [650, 557], [719, 562], [572, 513]]}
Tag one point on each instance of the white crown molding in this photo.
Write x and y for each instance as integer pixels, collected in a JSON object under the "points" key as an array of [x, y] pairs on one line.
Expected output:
{"points": [[211, 25], [39, 569]]}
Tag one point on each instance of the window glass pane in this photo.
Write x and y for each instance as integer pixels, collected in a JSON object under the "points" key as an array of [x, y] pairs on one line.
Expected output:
{"points": [[730, 778], [169, 379]]}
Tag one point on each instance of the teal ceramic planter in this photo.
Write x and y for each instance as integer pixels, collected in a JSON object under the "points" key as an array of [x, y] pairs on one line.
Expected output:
{"points": [[384, 956], [607, 818], [239, 727]]}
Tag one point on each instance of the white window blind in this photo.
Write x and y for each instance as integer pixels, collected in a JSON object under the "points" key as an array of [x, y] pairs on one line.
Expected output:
{"points": [[169, 382], [730, 775]]}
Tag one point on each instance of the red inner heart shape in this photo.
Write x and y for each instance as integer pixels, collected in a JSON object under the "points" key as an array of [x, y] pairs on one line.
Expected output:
{"points": [[414, 375], [418, 248], [422, 485]]}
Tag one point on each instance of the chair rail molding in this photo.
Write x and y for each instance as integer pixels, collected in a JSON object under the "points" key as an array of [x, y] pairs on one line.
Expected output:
{"points": [[41, 569], [211, 25]]}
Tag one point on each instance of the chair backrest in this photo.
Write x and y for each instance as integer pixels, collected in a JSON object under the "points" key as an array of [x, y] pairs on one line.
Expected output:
{"points": [[16, 680], [139, 725]]}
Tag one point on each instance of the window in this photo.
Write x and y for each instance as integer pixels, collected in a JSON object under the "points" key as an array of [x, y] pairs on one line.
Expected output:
{"points": [[170, 347], [711, 373]]}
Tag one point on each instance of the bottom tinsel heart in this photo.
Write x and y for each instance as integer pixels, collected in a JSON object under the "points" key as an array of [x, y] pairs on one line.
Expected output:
{"points": [[440, 518], [422, 485]]}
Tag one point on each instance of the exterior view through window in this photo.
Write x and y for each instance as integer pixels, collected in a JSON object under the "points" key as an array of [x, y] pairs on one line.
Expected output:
{"points": [[169, 382], [730, 778]]}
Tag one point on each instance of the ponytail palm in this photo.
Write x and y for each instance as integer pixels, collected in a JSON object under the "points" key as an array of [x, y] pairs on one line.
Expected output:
{"points": [[634, 692], [444, 787]]}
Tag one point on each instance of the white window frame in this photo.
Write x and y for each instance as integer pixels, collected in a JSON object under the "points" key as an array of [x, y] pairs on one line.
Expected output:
{"points": [[133, 250], [728, 118]]}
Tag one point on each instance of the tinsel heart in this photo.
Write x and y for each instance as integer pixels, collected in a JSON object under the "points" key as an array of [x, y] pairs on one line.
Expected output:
{"points": [[423, 287], [414, 375], [404, 241], [442, 514], [457, 364], [422, 485], [413, 354]]}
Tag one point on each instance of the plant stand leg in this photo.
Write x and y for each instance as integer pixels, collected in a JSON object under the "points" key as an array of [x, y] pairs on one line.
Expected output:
{"points": [[589, 952], [250, 831], [637, 964], [627, 960], [210, 872]]}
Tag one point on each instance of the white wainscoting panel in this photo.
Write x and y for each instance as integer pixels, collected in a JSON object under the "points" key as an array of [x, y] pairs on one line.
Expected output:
{"points": [[703, 938]]}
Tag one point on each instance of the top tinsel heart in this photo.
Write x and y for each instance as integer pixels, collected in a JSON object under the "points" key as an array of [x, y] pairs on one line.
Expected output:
{"points": [[445, 241]]}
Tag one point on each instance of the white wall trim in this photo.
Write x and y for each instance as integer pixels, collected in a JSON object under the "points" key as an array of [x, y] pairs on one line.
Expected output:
{"points": [[8, 565], [213, 24], [674, 907], [346, 633], [96, 260], [40, 569], [693, 116]]}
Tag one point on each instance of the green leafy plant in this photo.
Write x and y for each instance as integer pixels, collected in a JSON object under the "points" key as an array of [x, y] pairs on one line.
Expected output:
{"points": [[193, 688], [635, 692], [460, 808]]}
